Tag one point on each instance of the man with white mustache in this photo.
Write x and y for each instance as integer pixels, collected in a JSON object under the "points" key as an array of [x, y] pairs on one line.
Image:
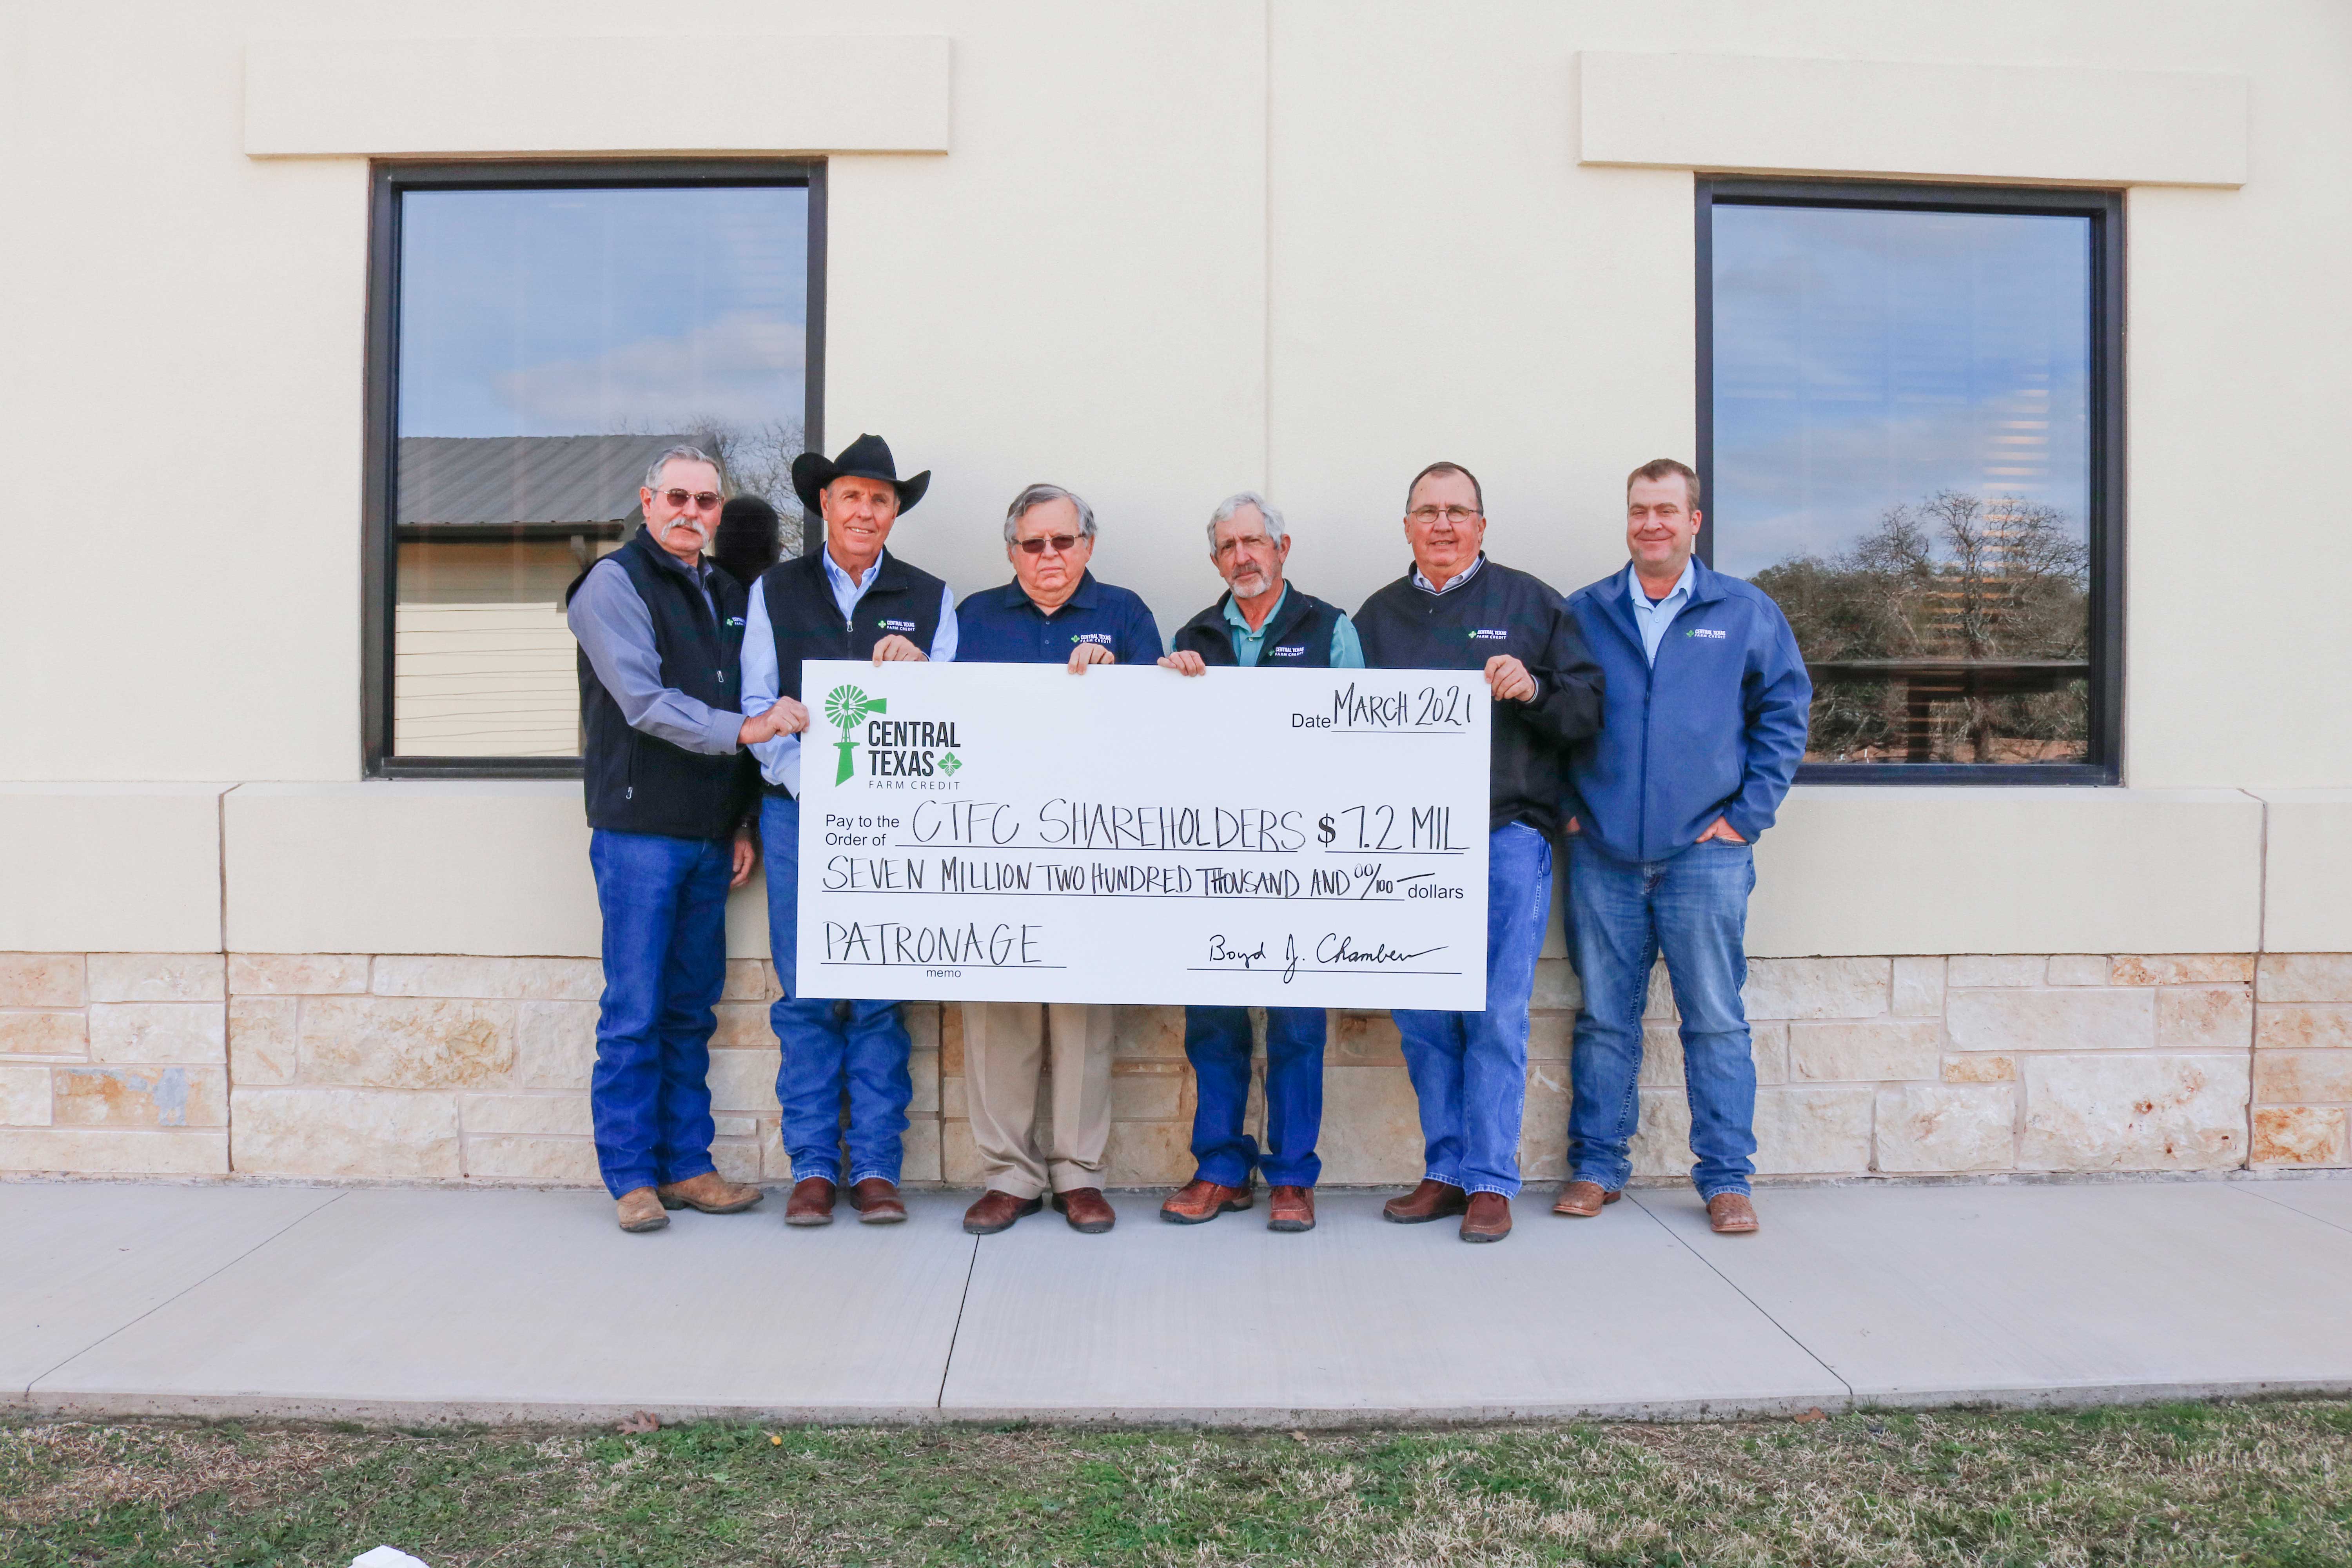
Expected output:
{"points": [[661, 634], [1261, 622]]}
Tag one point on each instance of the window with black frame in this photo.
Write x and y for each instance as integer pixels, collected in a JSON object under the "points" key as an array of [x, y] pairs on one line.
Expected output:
{"points": [[541, 335], [1908, 415]]}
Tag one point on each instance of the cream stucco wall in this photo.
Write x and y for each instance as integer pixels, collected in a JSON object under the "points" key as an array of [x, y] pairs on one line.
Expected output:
{"points": [[1169, 250]]}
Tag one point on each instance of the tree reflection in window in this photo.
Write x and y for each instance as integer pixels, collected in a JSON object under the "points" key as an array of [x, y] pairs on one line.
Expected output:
{"points": [[1902, 401], [1957, 631]]}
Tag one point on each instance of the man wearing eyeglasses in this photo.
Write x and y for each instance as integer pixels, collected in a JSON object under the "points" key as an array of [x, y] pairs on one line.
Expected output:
{"points": [[1052, 612], [1457, 610], [660, 633], [852, 599], [1261, 622]]}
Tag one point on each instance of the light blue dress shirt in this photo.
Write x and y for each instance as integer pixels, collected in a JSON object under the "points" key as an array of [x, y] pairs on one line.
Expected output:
{"points": [[780, 759], [1347, 651], [1654, 619], [1422, 583]]}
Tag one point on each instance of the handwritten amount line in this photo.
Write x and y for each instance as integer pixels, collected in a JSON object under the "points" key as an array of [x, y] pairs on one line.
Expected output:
{"points": [[1091, 893], [1128, 849]]}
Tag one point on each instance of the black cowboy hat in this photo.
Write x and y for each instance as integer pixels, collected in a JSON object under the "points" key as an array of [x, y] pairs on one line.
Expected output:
{"points": [[868, 457]]}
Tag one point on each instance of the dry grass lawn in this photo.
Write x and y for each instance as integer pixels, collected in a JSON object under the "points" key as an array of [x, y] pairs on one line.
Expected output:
{"points": [[2247, 1484]]}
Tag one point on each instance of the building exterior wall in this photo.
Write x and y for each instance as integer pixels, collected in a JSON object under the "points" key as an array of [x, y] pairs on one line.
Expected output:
{"points": [[448, 1068], [1156, 252]]}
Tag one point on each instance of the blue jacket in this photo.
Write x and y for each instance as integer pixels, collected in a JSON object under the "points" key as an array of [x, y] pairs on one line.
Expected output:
{"points": [[1715, 730], [1004, 625]]}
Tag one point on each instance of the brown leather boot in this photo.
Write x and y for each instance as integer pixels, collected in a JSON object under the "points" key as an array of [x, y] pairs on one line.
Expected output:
{"points": [[710, 1192], [641, 1210], [1582, 1199], [810, 1203], [1089, 1212], [1731, 1214], [875, 1199], [996, 1211], [1489, 1217], [1201, 1200], [1429, 1200], [1290, 1208]]}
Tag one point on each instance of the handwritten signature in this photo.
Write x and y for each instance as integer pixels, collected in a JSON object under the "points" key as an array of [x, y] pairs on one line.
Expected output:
{"points": [[1335, 947]]}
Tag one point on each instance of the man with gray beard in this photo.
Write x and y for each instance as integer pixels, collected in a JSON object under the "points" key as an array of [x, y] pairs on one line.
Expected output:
{"points": [[1261, 622]]}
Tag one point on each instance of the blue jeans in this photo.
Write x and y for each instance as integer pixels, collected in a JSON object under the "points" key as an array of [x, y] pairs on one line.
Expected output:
{"points": [[665, 906], [828, 1046], [1470, 1070], [1694, 908], [1217, 1040]]}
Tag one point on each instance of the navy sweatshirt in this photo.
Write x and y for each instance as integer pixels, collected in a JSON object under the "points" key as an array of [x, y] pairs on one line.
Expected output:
{"points": [[1498, 611]]}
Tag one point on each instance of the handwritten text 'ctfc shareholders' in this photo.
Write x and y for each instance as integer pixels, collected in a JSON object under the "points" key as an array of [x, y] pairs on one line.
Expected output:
{"points": [[1247, 837]]}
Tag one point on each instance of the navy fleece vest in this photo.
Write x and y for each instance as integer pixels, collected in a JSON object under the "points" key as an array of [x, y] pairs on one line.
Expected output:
{"points": [[902, 600], [1299, 637]]}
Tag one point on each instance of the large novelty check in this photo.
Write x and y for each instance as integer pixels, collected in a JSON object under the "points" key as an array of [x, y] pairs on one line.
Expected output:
{"points": [[1247, 837]]}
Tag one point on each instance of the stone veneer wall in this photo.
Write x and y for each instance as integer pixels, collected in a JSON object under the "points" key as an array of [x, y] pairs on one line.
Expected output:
{"points": [[2302, 1059], [402, 1068]]}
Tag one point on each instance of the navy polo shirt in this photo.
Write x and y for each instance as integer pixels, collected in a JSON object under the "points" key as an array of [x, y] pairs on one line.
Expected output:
{"points": [[1004, 625]]}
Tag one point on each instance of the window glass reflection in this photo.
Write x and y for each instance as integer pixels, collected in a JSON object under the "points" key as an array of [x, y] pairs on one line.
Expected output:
{"points": [[551, 344], [1902, 459]]}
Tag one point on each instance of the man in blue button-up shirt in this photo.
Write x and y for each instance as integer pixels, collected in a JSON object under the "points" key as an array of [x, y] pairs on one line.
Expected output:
{"points": [[1052, 612], [854, 599], [1704, 726]]}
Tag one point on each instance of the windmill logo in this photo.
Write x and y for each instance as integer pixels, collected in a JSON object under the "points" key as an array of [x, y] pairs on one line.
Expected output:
{"points": [[845, 708]]}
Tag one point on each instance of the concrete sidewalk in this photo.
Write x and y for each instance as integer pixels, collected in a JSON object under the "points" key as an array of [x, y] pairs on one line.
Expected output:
{"points": [[419, 1306]]}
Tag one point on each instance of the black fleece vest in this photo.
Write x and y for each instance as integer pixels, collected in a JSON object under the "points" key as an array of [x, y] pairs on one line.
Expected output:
{"points": [[1299, 637], [902, 601], [638, 783]]}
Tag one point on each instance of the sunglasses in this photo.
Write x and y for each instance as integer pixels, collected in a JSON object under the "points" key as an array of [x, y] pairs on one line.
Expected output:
{"points": [[705, 500], [1063, 544]]}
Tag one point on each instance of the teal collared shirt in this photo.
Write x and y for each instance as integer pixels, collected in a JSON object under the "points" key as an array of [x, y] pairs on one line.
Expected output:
{"points": [[1346, 653], [1654, 619]]}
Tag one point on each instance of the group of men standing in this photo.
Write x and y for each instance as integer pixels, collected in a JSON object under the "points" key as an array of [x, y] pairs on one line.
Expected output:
{"points": [[1651, 722]]}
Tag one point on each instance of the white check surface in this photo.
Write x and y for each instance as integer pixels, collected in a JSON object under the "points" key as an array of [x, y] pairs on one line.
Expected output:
{"points": [[1248, 837]]}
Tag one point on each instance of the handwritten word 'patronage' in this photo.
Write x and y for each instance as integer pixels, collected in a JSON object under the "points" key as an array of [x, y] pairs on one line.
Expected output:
{"points": [[898, 945]]}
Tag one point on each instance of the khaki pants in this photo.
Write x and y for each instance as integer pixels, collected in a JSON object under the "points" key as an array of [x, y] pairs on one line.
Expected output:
{"points": [[1003, 1052]]}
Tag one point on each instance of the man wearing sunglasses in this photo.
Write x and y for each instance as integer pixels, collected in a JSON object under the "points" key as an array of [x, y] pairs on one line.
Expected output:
{"points": [[661, 633], [1052, 612], [1261, 622], [1455, 609], [851, 599]]}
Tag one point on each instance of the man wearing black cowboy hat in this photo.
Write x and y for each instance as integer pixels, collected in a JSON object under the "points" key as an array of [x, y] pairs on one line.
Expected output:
{"points": [[851, 599]]}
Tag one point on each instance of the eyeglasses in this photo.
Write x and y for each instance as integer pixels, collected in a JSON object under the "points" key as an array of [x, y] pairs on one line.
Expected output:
{"points": [[704, 501], [1257, 541], [1063, 544], [1427, 516]]}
